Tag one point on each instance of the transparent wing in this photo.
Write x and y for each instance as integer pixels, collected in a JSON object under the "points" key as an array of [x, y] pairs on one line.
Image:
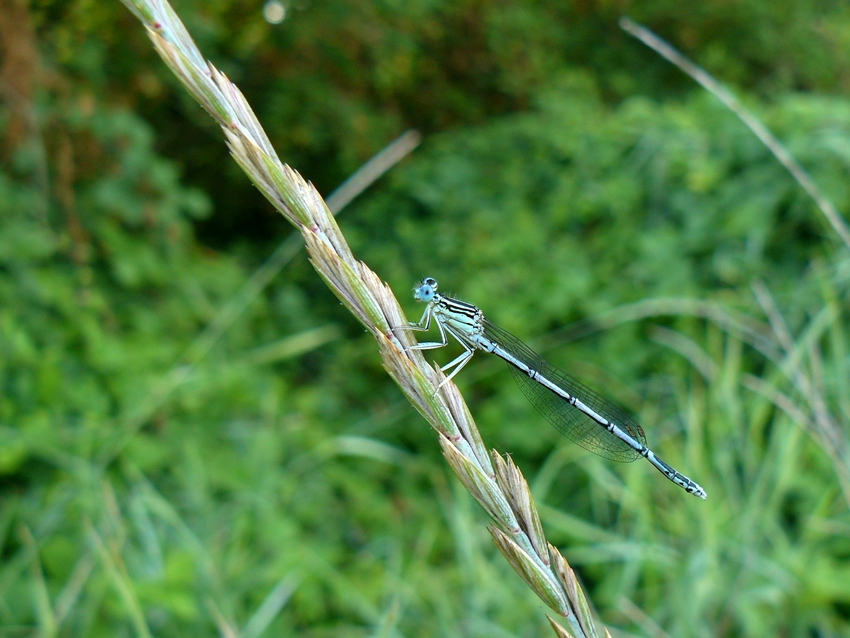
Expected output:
{"points": [[567, 419]]}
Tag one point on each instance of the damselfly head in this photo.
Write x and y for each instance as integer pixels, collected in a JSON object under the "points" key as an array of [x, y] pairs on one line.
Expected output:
{"points": [[425, 290]]}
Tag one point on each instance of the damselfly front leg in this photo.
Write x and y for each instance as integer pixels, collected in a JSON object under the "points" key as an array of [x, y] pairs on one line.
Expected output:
{"points": [[457, 363], [423, 325]]}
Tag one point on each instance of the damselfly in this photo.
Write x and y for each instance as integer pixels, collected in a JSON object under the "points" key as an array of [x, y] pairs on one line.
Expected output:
{"points": [[575, 410]]}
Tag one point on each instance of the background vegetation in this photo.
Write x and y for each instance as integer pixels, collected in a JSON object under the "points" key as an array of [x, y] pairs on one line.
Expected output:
{"points": [[580, 190]]}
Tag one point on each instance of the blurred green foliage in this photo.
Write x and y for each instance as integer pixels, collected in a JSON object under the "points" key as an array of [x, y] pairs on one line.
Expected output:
{"points": [[338, 79], [149, 487]]}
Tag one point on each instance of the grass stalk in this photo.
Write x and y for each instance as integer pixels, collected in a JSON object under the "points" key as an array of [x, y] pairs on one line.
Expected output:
{"points": [[494, 482], [749, 119]]}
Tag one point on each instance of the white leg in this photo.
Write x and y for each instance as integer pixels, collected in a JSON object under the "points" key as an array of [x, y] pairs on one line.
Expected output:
{"points": [[424, 322], [429, 345], [459, 362]]}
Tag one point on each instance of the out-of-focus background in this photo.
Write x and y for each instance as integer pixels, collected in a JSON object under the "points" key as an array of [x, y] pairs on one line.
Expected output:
{"points": [[162, 476]]}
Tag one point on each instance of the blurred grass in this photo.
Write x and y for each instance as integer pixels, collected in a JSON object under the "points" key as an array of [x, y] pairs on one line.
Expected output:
{"points": [[274, 496]]}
